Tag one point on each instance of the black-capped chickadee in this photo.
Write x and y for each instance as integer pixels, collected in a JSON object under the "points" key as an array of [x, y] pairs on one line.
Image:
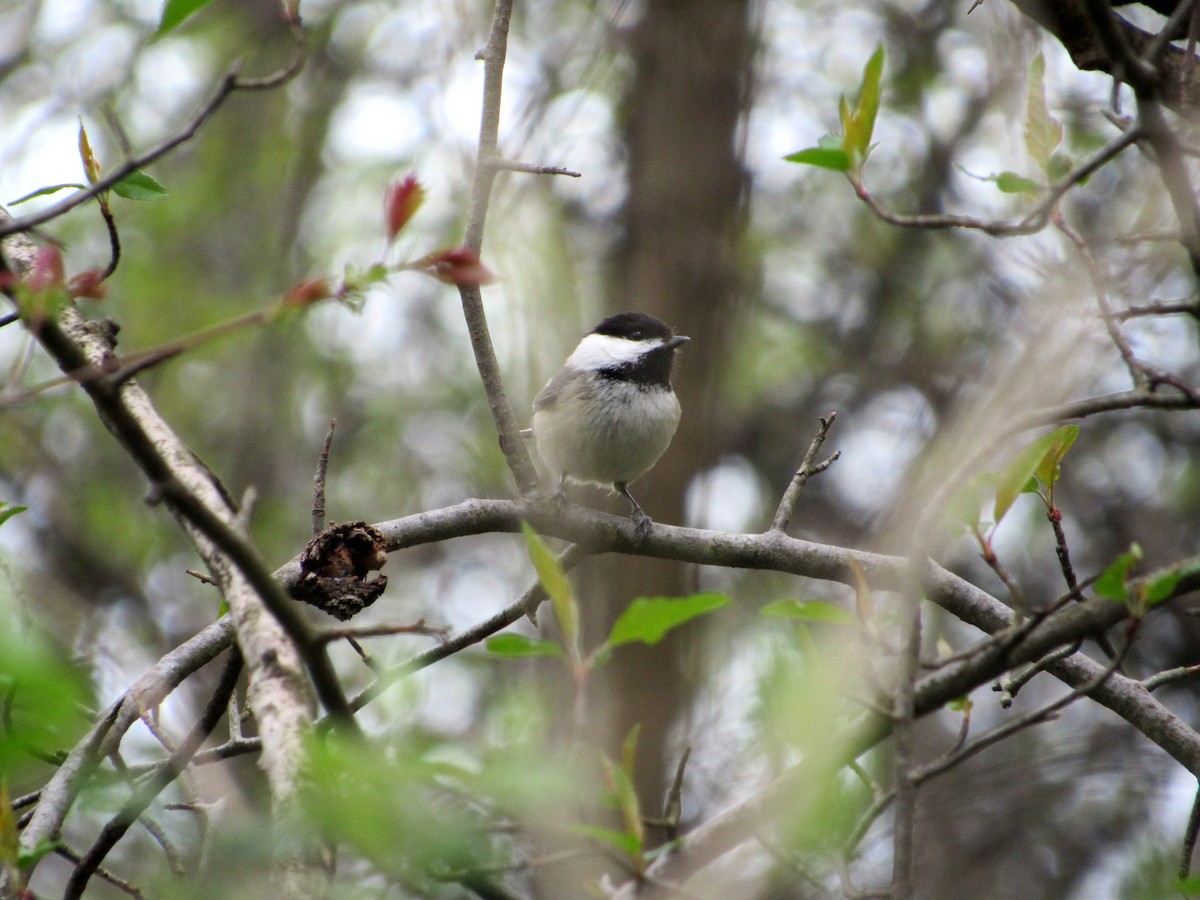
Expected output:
{"points": [[609, 413]]}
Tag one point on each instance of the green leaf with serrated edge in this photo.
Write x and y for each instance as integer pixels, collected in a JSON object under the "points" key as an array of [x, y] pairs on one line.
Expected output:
{"points": [[1043, 133], [1113, 582], [176, 11], [1018, 476], [51, 189], [518, 646], [137, 185], [554, 581], [7, 512], [833, 159], [626, 843], [1012, 183], [648, 619], [810, 611]]}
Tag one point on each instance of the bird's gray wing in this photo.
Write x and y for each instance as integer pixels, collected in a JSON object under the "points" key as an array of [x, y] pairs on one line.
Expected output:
{"points": [[549, 395]]}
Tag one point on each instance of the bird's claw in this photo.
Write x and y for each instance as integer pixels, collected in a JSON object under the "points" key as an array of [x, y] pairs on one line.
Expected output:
{"points": [[641, 524]]}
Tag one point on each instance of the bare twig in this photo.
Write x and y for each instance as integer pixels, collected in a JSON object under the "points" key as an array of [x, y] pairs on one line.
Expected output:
{"points": [[230, 84], [116, 827], [808, 468], [318, 510]]}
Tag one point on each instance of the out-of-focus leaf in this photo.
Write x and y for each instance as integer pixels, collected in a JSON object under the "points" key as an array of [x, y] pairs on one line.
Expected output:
{"points": [[137, 185], [1043, 133], [518, 646], [7, 511], [621, 784], [401, 202], [91, 166], [1113, 583], [626, 843], [1064, 438], [176, 11], [835, 159], [809, 610], [866, 108], [554, 580], [49, 189], [964, 508], [459, 266], [1019, 476], [1012, 183], [648, 619]]}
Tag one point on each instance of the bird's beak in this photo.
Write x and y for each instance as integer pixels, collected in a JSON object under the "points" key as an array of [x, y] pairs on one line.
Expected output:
{"points": [[675, 342]]}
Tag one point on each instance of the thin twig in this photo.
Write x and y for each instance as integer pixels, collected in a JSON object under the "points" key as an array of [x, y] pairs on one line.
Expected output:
{"points": [[1189, 838], [229, 84], [787, 503], [318, 510], [512, 165]]}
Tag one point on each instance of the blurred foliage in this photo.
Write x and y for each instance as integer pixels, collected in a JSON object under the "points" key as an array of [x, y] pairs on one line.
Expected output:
{"points": [[915, 338]]}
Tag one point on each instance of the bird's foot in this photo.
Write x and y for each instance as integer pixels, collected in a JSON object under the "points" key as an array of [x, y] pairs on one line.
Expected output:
{"points": [[641, 524]]}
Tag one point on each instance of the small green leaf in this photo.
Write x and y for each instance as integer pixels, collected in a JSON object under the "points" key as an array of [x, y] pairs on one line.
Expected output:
{"points": [[961, 704], [1161, 586], [626, 843], [518, 646], [834, 159], [7, 512], [1043, 133], [648, 619], [1189, 886], [1064, 438], [554, 581], [1113, 583], [620, 783], [27, 858], [810, 611], [1060, 166], [137, 185], [866, 107], [1012, 183], [51, 189], [176, 11], [964, 508], [1019, 476]]}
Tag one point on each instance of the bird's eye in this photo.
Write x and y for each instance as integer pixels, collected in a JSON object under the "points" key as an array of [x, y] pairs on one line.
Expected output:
{"points": [[637, 335]]}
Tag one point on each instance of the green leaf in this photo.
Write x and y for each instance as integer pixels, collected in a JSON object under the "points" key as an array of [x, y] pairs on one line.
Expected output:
{"points": [[810, 611], [1043, 133], [1019, 476], [1060, 165], [176, 11], [648, 619], [834, 159], [1064, 438], [554, 580], [137, 185], [963, 509], [1113, 583], [866, 107], [1161, 586], [7, 512], [626, 843], [518, 646], [52, 189], [1189, 886], [1012, 183], [27, 858], [621, 784]]}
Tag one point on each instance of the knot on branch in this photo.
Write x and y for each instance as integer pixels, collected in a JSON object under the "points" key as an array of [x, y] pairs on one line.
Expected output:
{"points": [[335, 567]]}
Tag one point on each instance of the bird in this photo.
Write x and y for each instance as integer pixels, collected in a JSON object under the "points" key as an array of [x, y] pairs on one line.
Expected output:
{"points": [[608, 415]]}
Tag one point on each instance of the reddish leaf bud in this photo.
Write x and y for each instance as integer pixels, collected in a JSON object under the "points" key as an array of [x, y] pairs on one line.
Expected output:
{"points": [[402, 200], [307, 292], [88, 283], [458, 266]]}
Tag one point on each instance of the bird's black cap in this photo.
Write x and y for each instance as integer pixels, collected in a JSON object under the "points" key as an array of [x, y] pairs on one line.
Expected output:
{"points": [[633, 326]]}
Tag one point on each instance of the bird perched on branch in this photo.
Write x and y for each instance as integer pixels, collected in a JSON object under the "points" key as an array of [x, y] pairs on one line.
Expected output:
{"points": [[609, 413]]}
